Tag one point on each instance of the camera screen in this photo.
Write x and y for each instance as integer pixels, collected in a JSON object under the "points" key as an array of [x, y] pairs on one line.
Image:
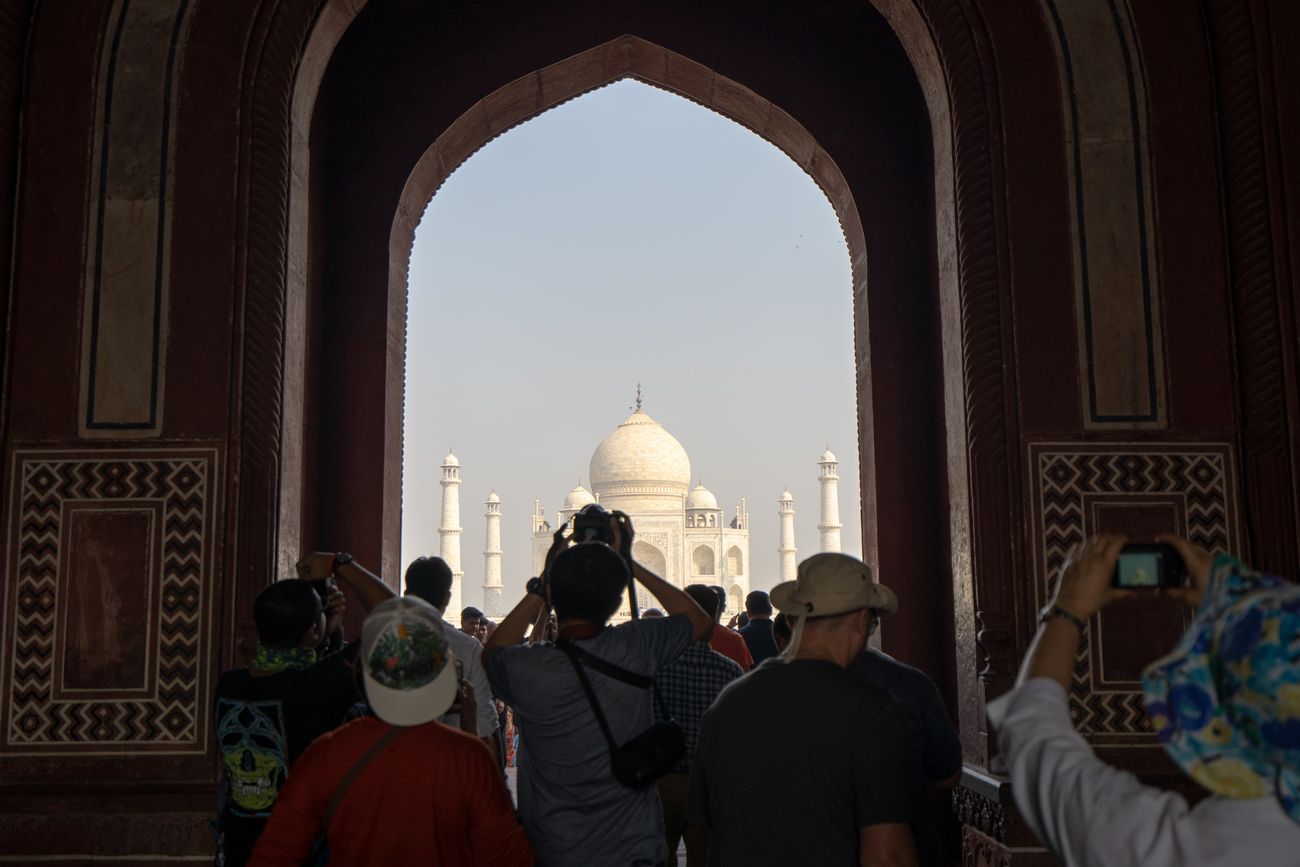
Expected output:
{"points": [[1139, 570]]}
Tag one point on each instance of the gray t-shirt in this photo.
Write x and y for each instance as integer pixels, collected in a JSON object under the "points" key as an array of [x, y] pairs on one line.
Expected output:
{"points": [[573, 809]]}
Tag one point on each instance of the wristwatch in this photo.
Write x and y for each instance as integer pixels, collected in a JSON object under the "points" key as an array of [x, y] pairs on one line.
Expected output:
{"points": [[1053, 610], [340, 559], [536, 585]]}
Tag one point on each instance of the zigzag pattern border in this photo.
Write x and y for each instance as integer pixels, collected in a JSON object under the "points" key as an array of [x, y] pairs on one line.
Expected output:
{"points": [[182, 482], [1064, 474]]}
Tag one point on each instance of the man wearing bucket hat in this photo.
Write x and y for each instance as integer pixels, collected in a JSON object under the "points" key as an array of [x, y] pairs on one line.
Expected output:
{"points": [[399, 787], [1225, 704], [833, 790]]}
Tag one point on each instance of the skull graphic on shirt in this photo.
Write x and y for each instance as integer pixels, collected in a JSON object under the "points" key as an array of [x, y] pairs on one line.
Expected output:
{"points": [[254, 752]]}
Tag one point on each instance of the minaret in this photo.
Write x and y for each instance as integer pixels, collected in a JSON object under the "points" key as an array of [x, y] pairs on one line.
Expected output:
{"points": [[789, 561], [829, 477], [492, 558], [541, 537], [450, 531]]}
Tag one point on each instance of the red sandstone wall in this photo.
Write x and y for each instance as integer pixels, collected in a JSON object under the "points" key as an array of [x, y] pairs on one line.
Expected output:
{"points": [[105, 676]]}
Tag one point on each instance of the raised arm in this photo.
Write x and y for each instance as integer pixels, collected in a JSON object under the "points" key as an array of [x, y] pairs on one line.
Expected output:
{"points": [[370, 590], [673, 599], [527, 610]]}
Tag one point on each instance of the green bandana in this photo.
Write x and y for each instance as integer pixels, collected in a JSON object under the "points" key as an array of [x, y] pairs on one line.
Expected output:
{"points": [[274, 661]]}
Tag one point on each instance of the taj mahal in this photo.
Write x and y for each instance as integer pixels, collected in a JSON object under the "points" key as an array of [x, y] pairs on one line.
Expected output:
{"points": [[682, 533]]}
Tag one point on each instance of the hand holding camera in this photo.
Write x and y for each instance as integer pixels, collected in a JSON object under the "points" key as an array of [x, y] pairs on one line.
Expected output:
{"points": [[1085, 584], [559, 541], [1105, 568], [336, 605], [621, 526], [316, 566], [1196, 562]]}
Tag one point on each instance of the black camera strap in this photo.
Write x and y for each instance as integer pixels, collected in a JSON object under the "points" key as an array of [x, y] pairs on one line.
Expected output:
{"points": [[609, 669], [591, 696]]}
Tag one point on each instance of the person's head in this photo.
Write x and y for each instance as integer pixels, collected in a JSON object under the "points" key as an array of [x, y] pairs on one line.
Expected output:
{"points": [[781, 632], [705, 598], [429, 578], [758, 605], [1225, 703], [835, 604], [469, 620], [289, 614], [489, 626], [587, 582], [721, 593], [652, 614], [408, 670]]}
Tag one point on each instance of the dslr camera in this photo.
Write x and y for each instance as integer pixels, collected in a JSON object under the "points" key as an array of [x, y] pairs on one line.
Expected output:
{"points": [[592, 524]]}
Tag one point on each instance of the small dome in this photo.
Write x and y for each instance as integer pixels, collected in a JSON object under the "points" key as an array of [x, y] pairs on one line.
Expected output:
{"points": [[578, 498], [828, 458], [493, 498], [451, 460], [701, 498], [785, 497]]}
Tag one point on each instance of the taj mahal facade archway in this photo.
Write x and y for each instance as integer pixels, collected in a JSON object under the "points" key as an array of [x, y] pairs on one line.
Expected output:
{"points": [[236, 396]]}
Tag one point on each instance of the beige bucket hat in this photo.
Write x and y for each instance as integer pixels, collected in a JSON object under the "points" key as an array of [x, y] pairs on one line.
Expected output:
{"points": [[829, 584]]}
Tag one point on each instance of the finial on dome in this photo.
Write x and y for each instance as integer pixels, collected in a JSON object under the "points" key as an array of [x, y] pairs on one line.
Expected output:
{"points": [[638, 397]]}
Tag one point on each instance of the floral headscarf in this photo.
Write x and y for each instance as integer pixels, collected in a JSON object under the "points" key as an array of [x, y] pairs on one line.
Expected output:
{"points": [[1225, 703]]}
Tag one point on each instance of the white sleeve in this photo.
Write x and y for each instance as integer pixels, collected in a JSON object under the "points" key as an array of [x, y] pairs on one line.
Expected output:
{"points": [[476, 674], [1084, 810]]}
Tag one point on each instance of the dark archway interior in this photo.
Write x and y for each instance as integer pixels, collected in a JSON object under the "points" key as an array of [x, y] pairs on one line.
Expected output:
{"points": [[405, 71]]}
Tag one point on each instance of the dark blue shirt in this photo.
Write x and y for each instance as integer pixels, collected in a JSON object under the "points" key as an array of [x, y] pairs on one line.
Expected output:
{"points": [[932, 740], [758, 637]]}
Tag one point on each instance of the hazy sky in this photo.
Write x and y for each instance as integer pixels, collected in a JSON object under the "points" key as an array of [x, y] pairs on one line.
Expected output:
{"points": [[628, 236]]}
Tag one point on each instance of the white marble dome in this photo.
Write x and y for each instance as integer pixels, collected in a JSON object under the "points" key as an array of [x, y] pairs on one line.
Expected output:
{"points": [[701, 497], [640, 458], [578, 498], [828, 457]]}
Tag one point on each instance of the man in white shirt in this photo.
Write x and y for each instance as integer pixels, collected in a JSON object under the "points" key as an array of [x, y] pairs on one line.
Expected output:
{"points": [[429, 578], [1089, 813]]}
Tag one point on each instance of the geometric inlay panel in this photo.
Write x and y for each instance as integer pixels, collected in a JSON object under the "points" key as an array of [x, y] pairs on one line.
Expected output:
{"points": [[107, 605], [1078, 490]]}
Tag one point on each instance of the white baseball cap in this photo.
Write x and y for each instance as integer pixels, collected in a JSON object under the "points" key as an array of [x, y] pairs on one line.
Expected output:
{"points": [[408, 669]]}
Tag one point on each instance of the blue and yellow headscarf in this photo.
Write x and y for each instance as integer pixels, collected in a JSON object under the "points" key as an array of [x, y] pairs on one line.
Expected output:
{"points": [[1226, 702]]}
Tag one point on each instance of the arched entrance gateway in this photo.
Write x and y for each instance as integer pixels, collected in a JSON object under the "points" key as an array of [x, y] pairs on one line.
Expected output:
{"points": [[1071, 286], [378, 169], [388, 127]]}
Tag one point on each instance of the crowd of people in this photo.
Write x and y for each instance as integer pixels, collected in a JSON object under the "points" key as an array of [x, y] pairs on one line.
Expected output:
{"points": [[788, 740]]}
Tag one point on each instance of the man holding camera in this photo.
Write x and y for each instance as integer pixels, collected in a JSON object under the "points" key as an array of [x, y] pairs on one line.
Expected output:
{"points": [[572, 806], [267, 714]]}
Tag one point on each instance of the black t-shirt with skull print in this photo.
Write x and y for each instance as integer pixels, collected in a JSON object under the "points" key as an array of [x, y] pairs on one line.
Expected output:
{"points": [[262, 725]]}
